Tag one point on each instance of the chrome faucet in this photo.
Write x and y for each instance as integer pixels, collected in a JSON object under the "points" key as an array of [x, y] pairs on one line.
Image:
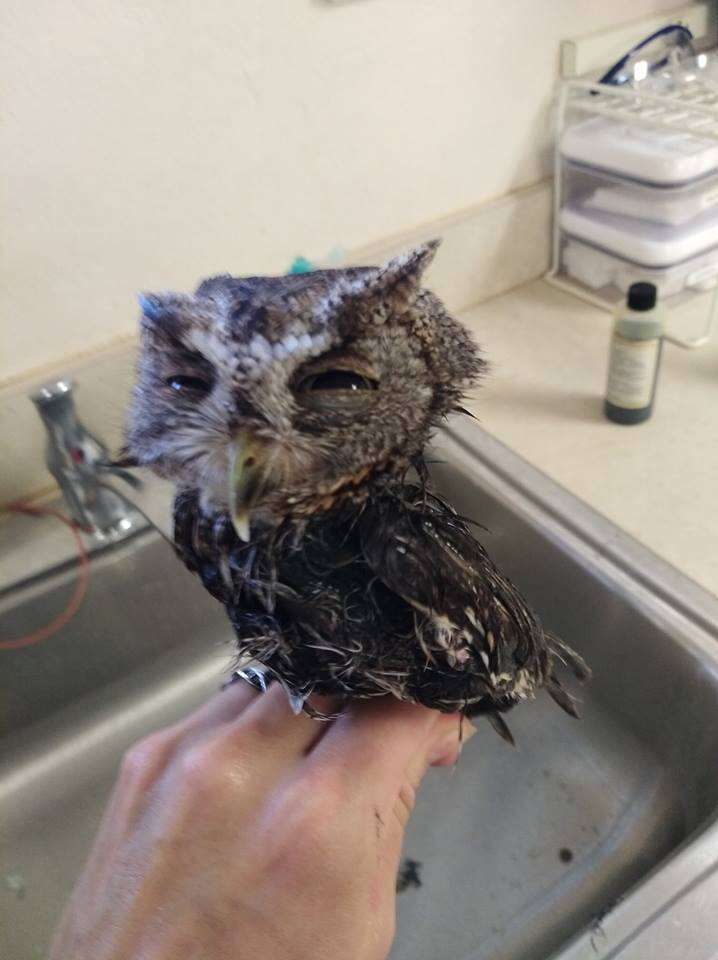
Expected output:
{"points": [[82, 465]]}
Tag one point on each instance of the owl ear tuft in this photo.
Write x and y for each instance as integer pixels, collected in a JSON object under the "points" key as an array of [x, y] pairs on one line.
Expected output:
{"points": [[151, 305], [161, 313], [409, 266], [399, 279]]}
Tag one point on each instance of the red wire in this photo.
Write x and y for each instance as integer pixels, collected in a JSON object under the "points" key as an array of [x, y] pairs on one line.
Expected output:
{"points": [[78, 594]]}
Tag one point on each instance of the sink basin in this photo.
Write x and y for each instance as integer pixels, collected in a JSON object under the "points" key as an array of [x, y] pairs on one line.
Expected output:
{"points": [[593, 838]]}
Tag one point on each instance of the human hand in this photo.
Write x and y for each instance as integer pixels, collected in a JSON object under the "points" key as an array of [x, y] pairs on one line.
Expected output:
{"points": [[247, 832]]}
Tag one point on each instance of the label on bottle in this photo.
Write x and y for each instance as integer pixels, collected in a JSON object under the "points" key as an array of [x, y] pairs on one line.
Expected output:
{"points": [[631, 372]]}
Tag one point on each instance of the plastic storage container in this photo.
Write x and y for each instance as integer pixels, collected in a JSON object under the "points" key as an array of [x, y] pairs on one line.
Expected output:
{"points": [[642, 241], [610, 275], [637, 196], [604, 249], [593, 189], [617, 229], [662, 157]]}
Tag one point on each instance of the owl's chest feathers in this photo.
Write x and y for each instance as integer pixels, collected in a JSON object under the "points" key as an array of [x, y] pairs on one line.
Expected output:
{"points": [[313, 560], [302, 593], [393, 596]]}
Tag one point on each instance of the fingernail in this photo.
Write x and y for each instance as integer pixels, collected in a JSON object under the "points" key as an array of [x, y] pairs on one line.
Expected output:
{"points": [[468, 730], [446, 750]]}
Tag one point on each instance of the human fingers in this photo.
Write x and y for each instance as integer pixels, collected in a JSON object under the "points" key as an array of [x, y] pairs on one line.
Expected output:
{"points": [[371, 743], [270, 724], [442, 751], [223, 707], [146, 760]]}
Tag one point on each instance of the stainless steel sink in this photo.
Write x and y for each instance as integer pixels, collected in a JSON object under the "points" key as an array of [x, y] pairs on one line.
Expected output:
{"points": [[593, 838]]}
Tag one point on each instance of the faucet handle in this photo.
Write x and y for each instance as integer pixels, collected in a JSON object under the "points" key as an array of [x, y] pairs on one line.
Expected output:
{"points": [[48, 393], [80, 463], [72, 445]]}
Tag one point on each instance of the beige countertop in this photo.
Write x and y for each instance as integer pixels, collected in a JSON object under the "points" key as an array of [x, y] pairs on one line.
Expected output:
{"points": [[543, 398]]}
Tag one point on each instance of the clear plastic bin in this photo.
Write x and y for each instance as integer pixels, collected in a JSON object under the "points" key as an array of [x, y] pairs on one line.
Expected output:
{"points": [[642, 241], [611, 275], [597, 190], [664, 157], [637, 198]]}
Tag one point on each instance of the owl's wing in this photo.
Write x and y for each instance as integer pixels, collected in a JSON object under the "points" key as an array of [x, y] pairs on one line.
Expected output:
{"points": [[469, 615], [425, 553]]}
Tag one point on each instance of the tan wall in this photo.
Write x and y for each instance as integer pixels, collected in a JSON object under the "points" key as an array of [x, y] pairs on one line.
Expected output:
{"points": [[146, 143]]}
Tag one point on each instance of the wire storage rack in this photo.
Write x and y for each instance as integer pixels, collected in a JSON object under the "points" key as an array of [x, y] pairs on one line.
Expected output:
{"points": [[679, 109]]}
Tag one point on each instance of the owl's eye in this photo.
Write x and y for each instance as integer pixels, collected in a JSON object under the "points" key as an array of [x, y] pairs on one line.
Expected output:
{"points": [[189, 386], [336, 380], [336, 392]]}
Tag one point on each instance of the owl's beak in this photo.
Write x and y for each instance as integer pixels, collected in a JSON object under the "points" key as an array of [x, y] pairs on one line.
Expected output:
{"points": [[248, 471]]}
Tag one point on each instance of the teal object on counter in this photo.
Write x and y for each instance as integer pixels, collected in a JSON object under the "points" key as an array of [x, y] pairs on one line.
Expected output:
{"points": [[300, 265]]}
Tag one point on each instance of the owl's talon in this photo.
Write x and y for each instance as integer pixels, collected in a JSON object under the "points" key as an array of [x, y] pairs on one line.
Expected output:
{"points": [[297, 704], [320, 714], [501, 727]]}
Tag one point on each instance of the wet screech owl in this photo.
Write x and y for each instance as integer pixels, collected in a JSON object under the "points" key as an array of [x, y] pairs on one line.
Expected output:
{"points": [[291, 413]]}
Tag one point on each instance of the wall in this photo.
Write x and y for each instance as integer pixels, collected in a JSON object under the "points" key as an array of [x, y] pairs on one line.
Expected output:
{"points": [[146, 143]]}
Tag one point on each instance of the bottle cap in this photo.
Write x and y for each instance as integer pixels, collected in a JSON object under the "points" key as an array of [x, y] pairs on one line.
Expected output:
{"points": [[641, 296]]}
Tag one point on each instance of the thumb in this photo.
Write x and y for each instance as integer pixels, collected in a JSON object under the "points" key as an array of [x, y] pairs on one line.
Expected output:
{"points": [[442, 749]]}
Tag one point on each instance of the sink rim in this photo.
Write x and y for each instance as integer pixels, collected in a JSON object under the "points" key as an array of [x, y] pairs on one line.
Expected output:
{"points": [[625, 552]]}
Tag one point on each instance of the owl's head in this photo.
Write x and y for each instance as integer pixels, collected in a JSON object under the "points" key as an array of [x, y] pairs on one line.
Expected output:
{"points": [[285, 395]]}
